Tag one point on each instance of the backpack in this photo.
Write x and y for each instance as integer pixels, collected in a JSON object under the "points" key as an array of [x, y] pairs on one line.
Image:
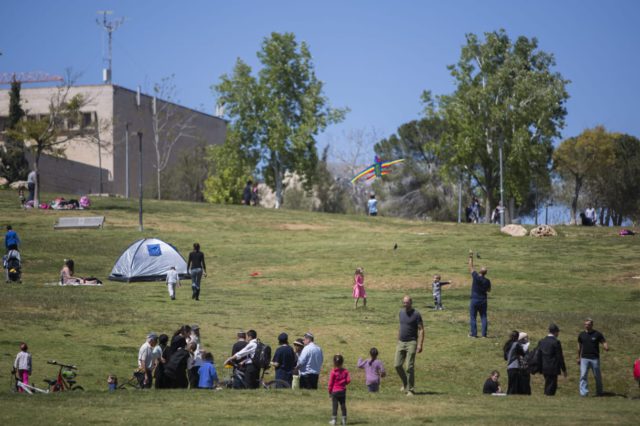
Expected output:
{"points": [[636, 369], [532, 361], [262, 355]]}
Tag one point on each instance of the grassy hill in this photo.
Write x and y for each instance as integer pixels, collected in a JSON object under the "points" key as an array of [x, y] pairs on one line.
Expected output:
{"points": [[305, 263]]}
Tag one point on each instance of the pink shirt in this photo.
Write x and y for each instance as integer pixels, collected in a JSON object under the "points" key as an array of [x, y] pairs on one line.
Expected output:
{"points": [[339, 378]]}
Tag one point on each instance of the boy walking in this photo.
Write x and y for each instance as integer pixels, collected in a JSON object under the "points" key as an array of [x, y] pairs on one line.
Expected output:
{"points": [[172, 281]]}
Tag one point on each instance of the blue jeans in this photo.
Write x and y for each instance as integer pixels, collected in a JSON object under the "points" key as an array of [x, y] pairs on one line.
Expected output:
{"points": [[475, 307], [196, 276], [585, 365]]}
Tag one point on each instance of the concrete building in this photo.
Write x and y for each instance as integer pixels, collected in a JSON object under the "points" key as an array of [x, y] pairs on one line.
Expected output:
{"points": [[110, 114]]}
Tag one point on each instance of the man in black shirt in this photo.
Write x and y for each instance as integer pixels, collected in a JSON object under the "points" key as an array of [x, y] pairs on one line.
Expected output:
{"points": [[284, 360], [478, 305], [237, 347], [589, 356], [410, 340]]}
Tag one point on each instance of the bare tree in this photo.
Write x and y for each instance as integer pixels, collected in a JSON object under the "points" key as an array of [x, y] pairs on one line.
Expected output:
{"points": [[356, 152], [170, 124], [48, 133]]}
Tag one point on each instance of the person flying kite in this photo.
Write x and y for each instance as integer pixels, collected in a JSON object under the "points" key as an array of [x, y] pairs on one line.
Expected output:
{"points": [[377, 169]]}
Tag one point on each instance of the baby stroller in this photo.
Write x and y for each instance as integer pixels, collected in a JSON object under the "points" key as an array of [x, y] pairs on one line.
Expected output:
{"points": [[12, 265]]}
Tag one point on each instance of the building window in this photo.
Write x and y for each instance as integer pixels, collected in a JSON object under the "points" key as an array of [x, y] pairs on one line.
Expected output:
{"points": [[86, 119]]}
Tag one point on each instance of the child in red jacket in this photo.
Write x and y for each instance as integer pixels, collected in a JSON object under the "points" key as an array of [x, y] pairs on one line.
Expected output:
{"points": [[339, 378]]}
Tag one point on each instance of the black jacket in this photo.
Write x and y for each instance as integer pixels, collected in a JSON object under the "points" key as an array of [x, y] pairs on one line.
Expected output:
{"points": [[552, 359]]}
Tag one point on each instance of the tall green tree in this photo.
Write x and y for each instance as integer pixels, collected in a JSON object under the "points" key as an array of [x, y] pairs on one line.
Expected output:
{"points": [[229, 171], [12, 155], [583, 159], [279, 113], [508, 96]]}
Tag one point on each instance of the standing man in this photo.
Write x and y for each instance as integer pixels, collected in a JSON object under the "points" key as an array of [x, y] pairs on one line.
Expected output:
{"points": [[146, 359], [196, 267], [31, 185], [372, 206], [246, 193], [245, 357], [552, 360], [11, 239], [237, 347], [589, 356], [410, 340], [309, 363], [284, 360], [479, 289]]}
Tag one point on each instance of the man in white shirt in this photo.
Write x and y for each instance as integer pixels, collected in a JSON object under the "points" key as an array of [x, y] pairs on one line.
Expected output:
{"points": [[245, 357], [31, 184], [146, 360], [172, 281]]}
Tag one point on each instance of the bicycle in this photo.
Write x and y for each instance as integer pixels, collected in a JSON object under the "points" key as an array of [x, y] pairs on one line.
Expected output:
{"points": [[17, 385], [65, 380], [237, 378]]}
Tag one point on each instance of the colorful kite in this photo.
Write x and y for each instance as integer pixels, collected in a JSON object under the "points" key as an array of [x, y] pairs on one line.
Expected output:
{"points": [[377, 169]]}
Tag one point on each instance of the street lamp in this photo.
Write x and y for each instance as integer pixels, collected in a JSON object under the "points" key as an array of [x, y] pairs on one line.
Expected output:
{"points": [[140, 179], [501, 187]]}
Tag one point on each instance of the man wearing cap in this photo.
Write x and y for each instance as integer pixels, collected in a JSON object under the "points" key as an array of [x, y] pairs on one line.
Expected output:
{"points": [[244, 356], [552, 360], [589, 356], [410, 341], [146, 359], [309, 363], [479, 289], [284, 359]]}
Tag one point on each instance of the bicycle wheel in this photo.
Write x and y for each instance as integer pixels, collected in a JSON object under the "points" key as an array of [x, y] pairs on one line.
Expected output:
{"points": [[77, 388], [277, 384]]}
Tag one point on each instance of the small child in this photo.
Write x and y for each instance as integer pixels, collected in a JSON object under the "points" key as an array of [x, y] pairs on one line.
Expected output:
{"points": [[22, 364], [491, 385], [339, 378], [172, 281], [358, 287], [207, 372], [373, 370], [437, 298]]}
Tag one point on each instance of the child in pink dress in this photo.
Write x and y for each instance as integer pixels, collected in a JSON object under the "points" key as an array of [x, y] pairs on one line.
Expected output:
{"points": [[358, 287]]}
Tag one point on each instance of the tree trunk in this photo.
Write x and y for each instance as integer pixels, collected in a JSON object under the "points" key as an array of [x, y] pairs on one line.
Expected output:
{"points": [[608, 217], [601, 216], [574, 202], [36, 191]]}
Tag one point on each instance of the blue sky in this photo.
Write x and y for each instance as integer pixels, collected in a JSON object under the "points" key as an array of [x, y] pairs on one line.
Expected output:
{"points": [[374, 57]]}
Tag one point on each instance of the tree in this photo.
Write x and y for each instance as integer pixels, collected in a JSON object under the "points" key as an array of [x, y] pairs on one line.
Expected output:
{"points": [[170, 125], [48, 133], [278, 114], [229, 170], [417, 189], [506, 96], [615, 183], [14, 163], [585, 158]]}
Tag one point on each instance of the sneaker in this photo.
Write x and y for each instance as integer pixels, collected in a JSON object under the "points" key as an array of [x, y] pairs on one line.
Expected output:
{"points": [[471, 335], [410, 393], [332, 422], [402, 389]]}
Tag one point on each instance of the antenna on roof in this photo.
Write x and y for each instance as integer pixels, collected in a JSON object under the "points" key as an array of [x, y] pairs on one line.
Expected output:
{"points": [[109, 27]]}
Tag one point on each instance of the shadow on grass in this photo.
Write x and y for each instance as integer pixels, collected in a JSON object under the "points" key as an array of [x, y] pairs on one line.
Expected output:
{"points": [[428, 393]]}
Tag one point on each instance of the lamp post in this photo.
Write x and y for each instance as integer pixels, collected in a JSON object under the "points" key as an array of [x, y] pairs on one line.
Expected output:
{"points": [[501, 188], [140, 179], [126, 160]]}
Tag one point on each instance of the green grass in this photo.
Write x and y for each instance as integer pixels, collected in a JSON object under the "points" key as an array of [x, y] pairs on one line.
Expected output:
{"points": [[306, 263]]}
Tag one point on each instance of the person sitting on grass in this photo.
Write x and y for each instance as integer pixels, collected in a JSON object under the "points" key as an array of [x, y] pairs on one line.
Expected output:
{"points": [[67, 275], [491, 385], [208, 377]]}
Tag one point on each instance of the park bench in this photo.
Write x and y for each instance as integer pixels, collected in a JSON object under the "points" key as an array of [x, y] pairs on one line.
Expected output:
{"points": [[79, 222]]}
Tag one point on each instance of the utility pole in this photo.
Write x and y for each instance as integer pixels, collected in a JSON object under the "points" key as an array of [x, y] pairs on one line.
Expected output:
{"points": [[109, 27], [138, 101], [126, 160]]}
